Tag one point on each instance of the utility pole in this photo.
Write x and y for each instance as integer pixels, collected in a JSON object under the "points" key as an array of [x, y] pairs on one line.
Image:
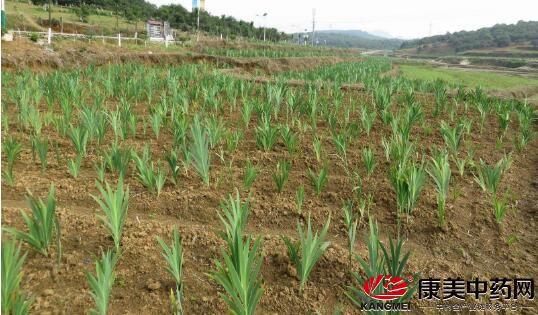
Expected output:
{"points": [[313, 25], [430, 34], [50, 9], [49, 31], [117, 17], [198, 24]]}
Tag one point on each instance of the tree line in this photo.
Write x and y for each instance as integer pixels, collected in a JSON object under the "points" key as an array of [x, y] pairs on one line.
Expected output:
{"points": [[500, 35], [178, 17]]}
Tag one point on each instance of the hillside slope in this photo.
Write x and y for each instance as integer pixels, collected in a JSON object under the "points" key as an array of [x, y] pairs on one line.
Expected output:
{"points": [[355, 39], [499, 35]]}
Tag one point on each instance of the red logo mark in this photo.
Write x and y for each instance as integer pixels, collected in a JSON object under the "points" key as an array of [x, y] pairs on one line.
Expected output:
{"points": [[392, 287]]}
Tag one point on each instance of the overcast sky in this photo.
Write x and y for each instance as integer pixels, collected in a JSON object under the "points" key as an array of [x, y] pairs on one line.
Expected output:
{"points": [[400, 18]]}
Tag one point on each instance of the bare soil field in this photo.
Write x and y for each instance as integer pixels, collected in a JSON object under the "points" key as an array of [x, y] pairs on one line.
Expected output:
{"points": [[471, 245]]}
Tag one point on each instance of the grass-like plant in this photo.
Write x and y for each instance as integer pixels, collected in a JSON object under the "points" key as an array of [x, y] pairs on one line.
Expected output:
{"points": [[381, 261], [117, 124], [372, 268], [234, 214], [150, 176], [41, 225], [368, 160], [246, 112], [100, 169], [290, 139], [439, 170], [460, 164], [441, 98], [526, 118], [504, 120], [114, 204], [12, 149], [232, 140], [118, 159], [364, 204], [155, 123], [305, 253], [250, 174], [319, 180], [173, 162], [42, 148], [102, 282], [386, 116], [173, 254], [382, 97], [489, 176], [408, 181], [199, 150], [266, 135], [280, 176], [215, 130], [299, 199], [367, 119], [351, 222], [79, 138], [452, 136], [341, 142], [73, 165], [13, 299], [239, 273], [316, 144], [35, 120], [500, 205]]}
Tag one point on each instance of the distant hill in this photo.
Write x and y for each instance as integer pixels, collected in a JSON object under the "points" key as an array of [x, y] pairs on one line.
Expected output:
{"points": [[381, 33], [500, 35], [356, 39]]}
